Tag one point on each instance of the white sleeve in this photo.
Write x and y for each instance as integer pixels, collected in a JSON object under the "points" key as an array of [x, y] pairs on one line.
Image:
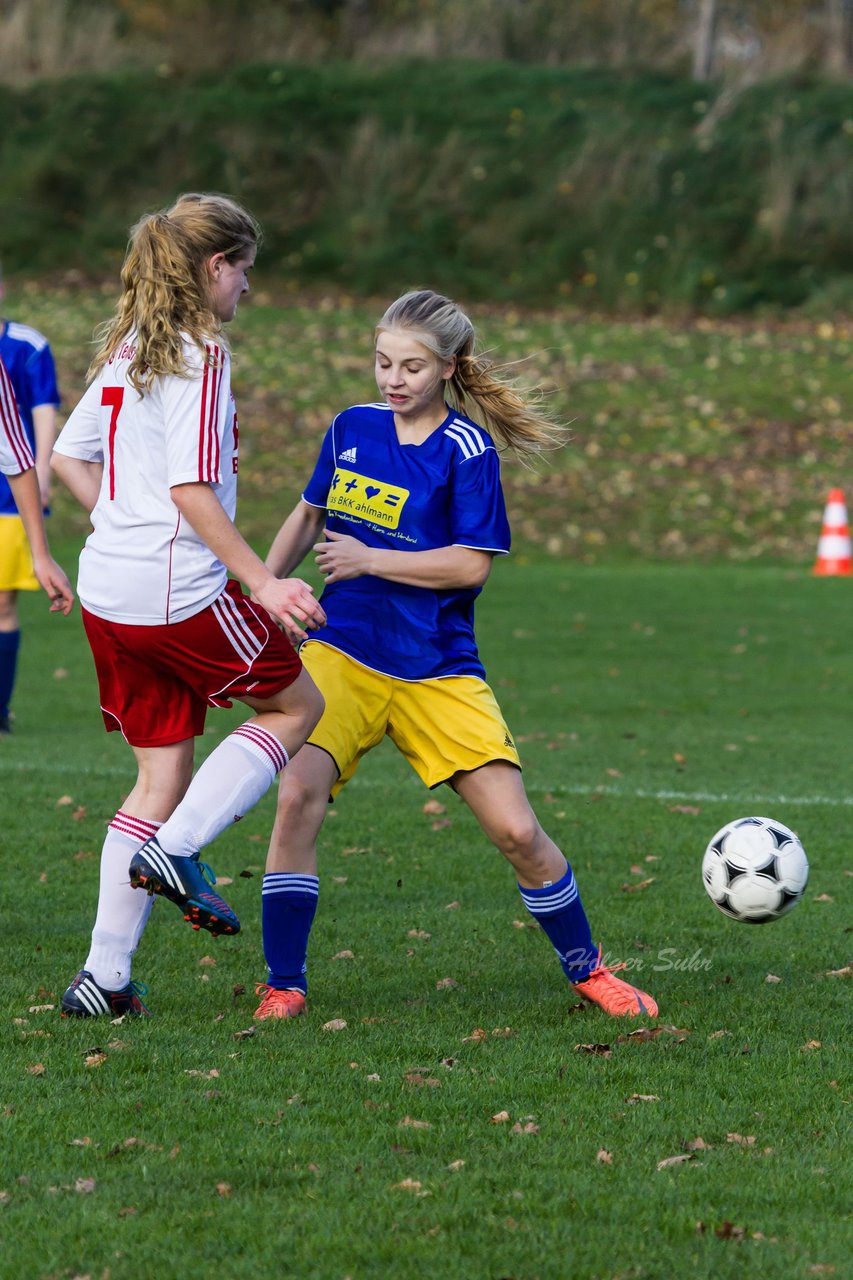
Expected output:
{"points": [[196, 410], [81, 435]]}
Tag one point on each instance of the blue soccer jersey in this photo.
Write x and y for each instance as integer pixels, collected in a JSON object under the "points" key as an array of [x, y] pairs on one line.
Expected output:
{"points": [[444, 492], [28, 359]]}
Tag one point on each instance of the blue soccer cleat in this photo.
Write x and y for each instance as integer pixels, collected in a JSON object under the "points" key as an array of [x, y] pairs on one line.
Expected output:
{"points": [[186, 882], [85, 999]]}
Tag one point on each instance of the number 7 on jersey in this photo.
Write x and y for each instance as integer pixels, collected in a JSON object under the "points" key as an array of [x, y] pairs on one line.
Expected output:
{"points": [[112, 398]]}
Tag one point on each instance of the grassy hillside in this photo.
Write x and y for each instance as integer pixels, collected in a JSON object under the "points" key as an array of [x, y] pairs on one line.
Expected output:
{"points": [[495, 181]]}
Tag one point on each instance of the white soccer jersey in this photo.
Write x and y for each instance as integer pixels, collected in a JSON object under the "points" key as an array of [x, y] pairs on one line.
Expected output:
{"points": [[15, 452], [143, 563]]}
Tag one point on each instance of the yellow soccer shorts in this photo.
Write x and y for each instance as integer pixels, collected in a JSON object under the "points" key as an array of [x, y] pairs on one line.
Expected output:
{"points": [[442, 727], [16, 563]]}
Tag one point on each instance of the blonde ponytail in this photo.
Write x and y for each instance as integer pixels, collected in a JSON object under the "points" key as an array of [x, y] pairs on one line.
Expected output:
{"points": [[478, 388], [165, 297]]}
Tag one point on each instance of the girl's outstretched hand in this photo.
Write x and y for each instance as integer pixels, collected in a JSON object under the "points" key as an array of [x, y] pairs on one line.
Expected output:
{"points": [[290, 601]]}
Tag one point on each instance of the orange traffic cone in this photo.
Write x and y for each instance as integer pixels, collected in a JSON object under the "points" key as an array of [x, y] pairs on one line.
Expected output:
{"points": [[834, 554]]}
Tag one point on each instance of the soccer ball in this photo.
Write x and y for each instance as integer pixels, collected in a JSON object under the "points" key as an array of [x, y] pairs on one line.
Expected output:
{"points": [[755, 870]]}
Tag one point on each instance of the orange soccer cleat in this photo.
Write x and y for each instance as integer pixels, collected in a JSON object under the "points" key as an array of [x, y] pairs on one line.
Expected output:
{"points": [[278, 1004], [614, 995]]}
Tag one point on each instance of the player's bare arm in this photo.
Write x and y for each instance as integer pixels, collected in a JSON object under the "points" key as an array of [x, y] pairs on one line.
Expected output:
{"points": [[44, 427], [342, 556], [295, 538], [289, 600], [82, 479], [27, 495]]}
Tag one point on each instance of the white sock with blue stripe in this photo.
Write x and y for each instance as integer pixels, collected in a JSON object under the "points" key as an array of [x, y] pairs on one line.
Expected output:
{"points": [[558, 910]]}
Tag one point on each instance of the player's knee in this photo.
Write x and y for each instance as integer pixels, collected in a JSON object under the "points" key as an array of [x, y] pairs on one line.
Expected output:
{"points": [[8, 610], [518, 839], [301, 803]]}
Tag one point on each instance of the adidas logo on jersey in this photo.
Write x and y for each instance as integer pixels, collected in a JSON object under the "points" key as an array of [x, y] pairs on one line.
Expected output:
{"points": [[508, 742], [348, 455]]}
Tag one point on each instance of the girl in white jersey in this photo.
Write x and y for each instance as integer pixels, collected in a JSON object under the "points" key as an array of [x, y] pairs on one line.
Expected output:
{"points": [[151, 452], [405, 514]]}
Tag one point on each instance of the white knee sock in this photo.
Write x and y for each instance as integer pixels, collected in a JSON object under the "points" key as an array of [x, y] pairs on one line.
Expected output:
{"points": [[231, 781], [122, 911]]}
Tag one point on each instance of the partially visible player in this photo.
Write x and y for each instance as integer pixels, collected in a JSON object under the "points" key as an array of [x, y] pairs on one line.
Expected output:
{"points": [[151, 452], [405, 514], [29, 363], [17, 466]]}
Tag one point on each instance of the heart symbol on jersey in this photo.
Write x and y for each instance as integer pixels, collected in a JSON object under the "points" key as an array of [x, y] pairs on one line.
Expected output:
{"points": [[371, 490]]}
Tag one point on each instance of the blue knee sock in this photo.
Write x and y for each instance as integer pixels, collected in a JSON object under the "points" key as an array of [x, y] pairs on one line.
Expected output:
{"points": [[9, 644], [289, 902], [558, 910]]}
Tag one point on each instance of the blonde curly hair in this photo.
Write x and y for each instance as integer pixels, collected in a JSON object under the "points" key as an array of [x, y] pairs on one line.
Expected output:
{"points": [[165, 295]]}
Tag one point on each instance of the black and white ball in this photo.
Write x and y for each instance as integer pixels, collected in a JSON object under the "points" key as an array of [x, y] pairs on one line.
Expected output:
{"points": [[755, 870]]}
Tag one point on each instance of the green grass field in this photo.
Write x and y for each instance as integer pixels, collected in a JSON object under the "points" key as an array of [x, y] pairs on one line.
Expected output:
{"points": [[653, 703], [470, 1120]]}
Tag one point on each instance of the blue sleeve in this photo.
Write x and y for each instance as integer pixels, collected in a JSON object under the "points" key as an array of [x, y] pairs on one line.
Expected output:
{"points": [[41, 379], [316, 492], [479, 516]]}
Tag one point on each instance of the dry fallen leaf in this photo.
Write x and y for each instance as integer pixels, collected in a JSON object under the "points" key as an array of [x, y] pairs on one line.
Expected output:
{"points": [[603, 1050], [336, 1024], [344, 955], [740, 1140], [37, 1069], [846, 972], [95, 1059], [528, 1127], [41, 1008], [456, 1165], [477, 1036], [637, 888], [418, 933], [728, 1231], [446, 984], [408, 1122], [500, 1117], [811, 1044], [671, 1160], [771, 977], [408, 1184], [604, 1157], [434, 806], [207, 961], [223, 1189], [642, 1097], [696, 1144]]}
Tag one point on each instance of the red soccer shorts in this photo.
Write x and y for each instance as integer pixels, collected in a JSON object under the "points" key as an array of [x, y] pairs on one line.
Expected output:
{"points": [[156, 683]]}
